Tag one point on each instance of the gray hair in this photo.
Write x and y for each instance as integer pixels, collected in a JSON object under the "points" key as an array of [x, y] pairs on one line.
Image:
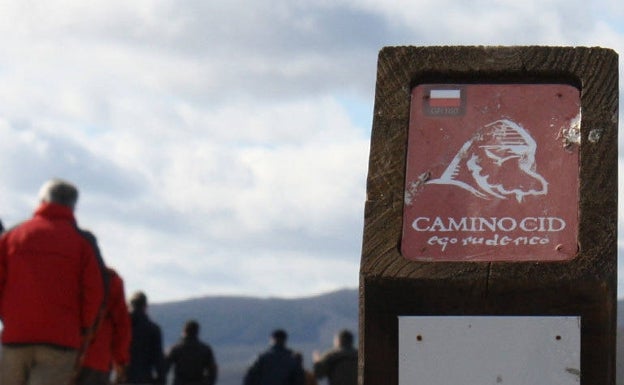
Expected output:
{"points": [[59, 191]]}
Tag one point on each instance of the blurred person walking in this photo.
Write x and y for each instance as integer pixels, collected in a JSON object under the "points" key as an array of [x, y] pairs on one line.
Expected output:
{"points": [[339, 364], [110, 348], [192, 359], [275, 366], [51, 291], [147, 362]]}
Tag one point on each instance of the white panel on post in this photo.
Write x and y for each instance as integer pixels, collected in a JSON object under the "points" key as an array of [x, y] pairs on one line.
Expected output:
{"points": [[479, 350]]}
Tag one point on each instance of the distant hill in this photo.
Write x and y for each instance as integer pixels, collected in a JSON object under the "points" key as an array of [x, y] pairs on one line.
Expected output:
{"points": [[238, 328]]}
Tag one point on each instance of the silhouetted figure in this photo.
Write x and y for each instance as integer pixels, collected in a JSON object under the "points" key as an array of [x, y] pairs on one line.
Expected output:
{"points": [[51, 291], [275, 366], [192, 359], [339, 364], [147, 362], [1, 227], [110, 348]]}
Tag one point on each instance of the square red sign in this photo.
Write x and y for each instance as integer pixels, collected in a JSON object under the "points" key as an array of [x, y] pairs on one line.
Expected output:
{"points": [[492, 173]]}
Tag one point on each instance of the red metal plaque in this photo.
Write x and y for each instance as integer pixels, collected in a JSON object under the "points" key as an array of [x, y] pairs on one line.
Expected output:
{"points": [[492, 173]]}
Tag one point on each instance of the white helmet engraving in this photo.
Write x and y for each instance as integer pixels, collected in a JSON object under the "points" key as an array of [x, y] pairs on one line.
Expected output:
{"points": [[498, 161]]}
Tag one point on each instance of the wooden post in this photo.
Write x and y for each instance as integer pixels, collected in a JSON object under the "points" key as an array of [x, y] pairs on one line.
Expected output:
{"points": [[403, 277]]}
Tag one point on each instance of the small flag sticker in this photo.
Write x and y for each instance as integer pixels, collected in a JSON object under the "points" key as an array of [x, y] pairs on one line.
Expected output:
{"points": [[445, 98], [444, 101]]}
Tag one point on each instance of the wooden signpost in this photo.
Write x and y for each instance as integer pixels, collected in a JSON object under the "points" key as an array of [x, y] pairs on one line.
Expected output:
{"points": [[492, 195]]}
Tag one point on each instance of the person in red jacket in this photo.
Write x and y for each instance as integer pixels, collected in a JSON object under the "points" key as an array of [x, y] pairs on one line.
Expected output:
{"points": [[51, 291], [110, 347]]}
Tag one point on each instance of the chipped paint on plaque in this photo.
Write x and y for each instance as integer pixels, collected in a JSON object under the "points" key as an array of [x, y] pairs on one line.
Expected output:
{"points": [[572, 133], [413, 187]]}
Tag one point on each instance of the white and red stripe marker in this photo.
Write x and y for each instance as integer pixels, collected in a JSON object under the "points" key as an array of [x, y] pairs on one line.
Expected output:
{"points": [[445, 98]]}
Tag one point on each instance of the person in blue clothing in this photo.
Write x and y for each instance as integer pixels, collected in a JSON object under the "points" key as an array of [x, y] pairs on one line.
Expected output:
{"points": [[275, 366], [147, 361]]}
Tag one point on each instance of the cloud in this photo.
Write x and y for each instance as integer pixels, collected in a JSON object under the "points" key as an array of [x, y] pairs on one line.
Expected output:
{"points": [[222, 146]]}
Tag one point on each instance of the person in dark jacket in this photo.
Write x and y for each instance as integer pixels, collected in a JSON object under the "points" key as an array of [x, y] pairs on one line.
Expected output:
{"points": [[147, 362], [51, 291], [276, 366], [192, 359], [340, 364]]}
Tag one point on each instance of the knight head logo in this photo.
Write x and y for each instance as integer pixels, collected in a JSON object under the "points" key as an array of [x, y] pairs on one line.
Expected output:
{"points": [[497, 162]]}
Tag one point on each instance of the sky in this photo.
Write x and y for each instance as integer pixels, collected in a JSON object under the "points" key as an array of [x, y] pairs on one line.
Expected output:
{"points": [[221, 147]]}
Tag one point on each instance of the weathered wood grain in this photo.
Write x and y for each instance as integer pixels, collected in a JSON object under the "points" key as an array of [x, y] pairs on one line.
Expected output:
{"points": [[391, 285]]}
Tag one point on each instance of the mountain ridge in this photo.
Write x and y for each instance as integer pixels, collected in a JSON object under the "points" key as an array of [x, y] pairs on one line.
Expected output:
{"points": [[238, 327]]}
